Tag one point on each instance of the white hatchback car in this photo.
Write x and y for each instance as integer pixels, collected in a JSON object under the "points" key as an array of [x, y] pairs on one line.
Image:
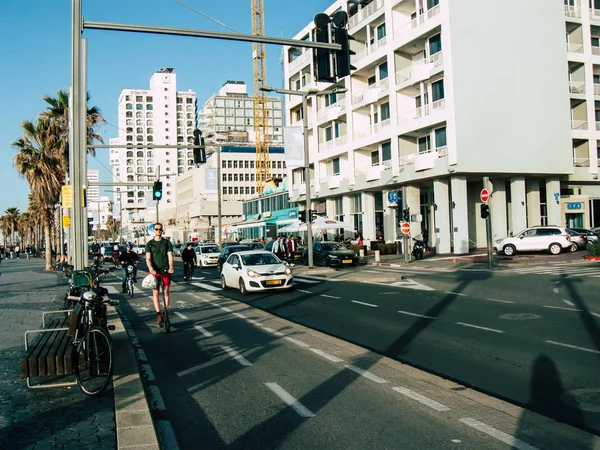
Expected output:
{"points": [[255, 270], [207, 255], [550, 238]]}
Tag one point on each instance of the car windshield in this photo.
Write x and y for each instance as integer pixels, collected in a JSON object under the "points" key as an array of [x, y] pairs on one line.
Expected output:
{"points": [[260, 259], [332, 246], [209, 249]]}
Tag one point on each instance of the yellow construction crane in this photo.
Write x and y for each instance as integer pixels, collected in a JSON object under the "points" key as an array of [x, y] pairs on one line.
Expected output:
{"points": [[261, 125]]}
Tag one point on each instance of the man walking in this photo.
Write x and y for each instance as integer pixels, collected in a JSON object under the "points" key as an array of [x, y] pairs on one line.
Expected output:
{"points": [[159, 258]]}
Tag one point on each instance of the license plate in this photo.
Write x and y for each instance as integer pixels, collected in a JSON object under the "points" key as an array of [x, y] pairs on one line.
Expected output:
{"points": [[297, 256], [273, 282], [347, 261]]}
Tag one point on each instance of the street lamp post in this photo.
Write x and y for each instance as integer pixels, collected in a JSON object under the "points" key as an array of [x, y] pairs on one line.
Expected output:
{"points": [[305, 95]]}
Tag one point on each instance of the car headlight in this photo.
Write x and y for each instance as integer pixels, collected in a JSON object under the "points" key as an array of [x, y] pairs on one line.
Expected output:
{"points": [[288, 272], [333, 256], [498, 241], [251, 273]]}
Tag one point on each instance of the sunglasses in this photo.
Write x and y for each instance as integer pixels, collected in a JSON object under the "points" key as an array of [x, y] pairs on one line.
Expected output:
{"points": [[158, 229]]}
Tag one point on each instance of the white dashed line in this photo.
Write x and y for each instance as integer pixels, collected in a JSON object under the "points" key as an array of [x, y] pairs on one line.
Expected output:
{"points": [[181, 316], [421, 399], [497, 300], [303, 291], [296, 341], [225, 308], [456, 293], [308, 281], [574, 347], [416, 315], [478, 327], [202, 330], [366, 374], [208, 287], [302, 410], [497, 434], [235, 355], [569, 302], [240, 315], [326, 355], [191, 370], [556, 290], [562, 307], [328, 296], [363, 303]]}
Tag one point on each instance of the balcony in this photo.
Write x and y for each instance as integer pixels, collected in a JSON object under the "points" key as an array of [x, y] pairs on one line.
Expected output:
{"points": [[577, 87], [417, 22], [333, 181], [581, 162], [574, 48], [579, 125], [372, 93], [594, 14], [423, 111], [370, 49], [328, 145], [573, 12], [371, 129], [300, 61], [331, 112], [420, 70], [364, 13]]}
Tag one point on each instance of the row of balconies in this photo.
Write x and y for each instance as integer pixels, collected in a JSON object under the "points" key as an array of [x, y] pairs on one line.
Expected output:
{"points": [[578, 87], [574, 12]]}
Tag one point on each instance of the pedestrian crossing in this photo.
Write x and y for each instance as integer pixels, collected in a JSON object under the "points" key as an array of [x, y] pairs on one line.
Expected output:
{"points": [[585, 271]]}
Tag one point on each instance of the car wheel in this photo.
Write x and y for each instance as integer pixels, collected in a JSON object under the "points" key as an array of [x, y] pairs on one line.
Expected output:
{"points": [[509, 250], [223, 283], [243, 289], [573, 247], [555, 248]]}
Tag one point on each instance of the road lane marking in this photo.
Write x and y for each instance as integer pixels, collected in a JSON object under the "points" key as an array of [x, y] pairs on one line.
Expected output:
{"points": [[478, 327], [202, 330], [181, 316], [296, 341], [240, 315], [363, 303], [574, 347], [556, 290], [270, 330], [208, 287], [562, 307], [569, 302], [497, 300], [302, 290], [326, 355], [235, 355], [456, 293], [300, 409], [416, 315], [307, 280], [366, 374], [185, 372], [497, 434], [421, 399], [329, 296], [225, 308]]}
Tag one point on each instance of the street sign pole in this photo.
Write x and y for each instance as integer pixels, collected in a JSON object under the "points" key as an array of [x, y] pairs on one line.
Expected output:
{"points": [[488, 222], [405, 237]]}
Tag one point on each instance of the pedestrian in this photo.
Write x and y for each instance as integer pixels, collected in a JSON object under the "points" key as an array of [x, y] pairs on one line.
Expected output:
{"points": [[17, 251], [279, 248], [28, 251], [159, 258], [292, 246], [426, 239], [128, 258], [359, 239]]}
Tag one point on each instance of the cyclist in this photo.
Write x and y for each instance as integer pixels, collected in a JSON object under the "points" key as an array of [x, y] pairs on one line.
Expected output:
{"points": [[95, 252], [188, 256], [159, 258], [128, 258]]}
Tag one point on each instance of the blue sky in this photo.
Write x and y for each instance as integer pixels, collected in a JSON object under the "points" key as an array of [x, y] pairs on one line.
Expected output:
{"points": [[35, 57]]}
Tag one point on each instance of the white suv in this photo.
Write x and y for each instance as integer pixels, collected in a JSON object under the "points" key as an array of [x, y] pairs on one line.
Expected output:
{"points": [[551, 238]]}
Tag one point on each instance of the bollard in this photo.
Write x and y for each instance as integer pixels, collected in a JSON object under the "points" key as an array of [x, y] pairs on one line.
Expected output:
{"points": [[362, 252], [377, 259]]}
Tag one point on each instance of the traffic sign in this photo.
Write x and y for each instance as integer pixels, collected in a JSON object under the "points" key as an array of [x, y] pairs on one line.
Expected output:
{"points": [[485, 195], [405, 227]]}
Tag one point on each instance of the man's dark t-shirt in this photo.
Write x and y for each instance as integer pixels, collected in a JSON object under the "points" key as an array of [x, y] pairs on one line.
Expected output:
{"points": [[159, 250]]}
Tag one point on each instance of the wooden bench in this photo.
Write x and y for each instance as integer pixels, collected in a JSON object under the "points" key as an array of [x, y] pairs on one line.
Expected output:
{"points": [[49, 354]]}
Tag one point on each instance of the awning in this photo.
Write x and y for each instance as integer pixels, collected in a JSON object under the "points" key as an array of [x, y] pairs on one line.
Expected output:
{"points": [[250, 224]]}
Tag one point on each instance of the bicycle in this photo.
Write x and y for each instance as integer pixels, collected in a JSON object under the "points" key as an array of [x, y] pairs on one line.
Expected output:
{"points": [[94, 350], [129, 283], [188, 270]]}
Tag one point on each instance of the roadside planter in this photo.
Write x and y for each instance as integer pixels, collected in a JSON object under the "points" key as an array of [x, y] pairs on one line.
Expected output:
{"points": [[593, 252]]}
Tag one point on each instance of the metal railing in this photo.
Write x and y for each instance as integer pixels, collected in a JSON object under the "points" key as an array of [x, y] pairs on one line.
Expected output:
{"points": [[364, 13], [573, 11], [574, 48], [577, 87], [581, 162], [579, 124]]}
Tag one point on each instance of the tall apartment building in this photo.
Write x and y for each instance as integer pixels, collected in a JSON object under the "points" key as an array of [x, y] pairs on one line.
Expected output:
{"points": [[445, 93], [229, 116], [92, 192], [160, 115]]}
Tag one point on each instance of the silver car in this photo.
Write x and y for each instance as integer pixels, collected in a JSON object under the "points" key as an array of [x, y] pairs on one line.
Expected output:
{"points": [[535, 239]]}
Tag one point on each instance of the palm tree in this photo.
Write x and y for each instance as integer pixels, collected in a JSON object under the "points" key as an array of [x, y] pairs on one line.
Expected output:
{"points": [[12, 217], [39, 162], [5, 228], [113, 227], [25, 228]]}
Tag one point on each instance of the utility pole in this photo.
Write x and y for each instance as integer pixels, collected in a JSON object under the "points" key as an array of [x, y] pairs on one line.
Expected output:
{"points": [[157, 200], [405, 237], [488, 223], [218, 233]]}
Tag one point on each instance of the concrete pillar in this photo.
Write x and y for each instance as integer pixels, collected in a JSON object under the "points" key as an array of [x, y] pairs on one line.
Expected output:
{"points": [[460, 214], [498, 209], [518, 211], [413, 202], [440, 237], [534, 217], [368, 202], [552, 204], [347, 207], [389, 220]]}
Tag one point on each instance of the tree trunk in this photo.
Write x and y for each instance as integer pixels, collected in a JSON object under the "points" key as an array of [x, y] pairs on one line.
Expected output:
{"points": [[48, 246]]}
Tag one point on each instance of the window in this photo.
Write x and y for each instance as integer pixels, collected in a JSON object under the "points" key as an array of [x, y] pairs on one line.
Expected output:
{"points": [[139, 106], [224, 164], [229, 164], [383, 71], [381, 31], [235, 164], [437, 90], [229, 177], [424, 144], [440, 137], [375, 158], [235, 177], [332, 132], [435, 44], [386, 151], [128, 106], [333, 168], [385, 111]]}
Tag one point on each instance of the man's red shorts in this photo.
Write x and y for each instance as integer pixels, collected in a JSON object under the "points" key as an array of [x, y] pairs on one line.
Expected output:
{"points": [[165, 278]]}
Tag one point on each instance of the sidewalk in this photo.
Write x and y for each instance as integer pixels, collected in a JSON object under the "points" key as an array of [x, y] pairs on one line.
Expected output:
{"points": [[57, 418]]}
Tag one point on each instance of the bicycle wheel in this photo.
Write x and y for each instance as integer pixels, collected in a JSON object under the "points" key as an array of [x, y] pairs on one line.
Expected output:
{"points": [[94, 362], [130, 286]]}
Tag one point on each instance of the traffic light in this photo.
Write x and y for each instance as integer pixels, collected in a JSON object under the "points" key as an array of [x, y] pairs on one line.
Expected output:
{"points": [[312, 215], [406, 214], [90, 226], [485, 210], [321, 56], [302, 216], [340, 36], [157, 190], [199, 148]]}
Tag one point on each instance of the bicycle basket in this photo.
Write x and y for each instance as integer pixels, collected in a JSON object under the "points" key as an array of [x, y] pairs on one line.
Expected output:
{"points": [[82, 278]]}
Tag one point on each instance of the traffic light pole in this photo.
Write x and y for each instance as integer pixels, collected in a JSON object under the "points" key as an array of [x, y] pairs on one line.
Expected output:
{"points": [[157, 200], [488, 230], [405, 237], [309, 235]]}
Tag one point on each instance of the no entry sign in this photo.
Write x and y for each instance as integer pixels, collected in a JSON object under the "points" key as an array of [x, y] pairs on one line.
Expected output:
{"points": [[485, 195], [405, 227]]}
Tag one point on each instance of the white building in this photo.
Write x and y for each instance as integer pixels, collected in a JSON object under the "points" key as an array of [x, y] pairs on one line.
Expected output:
{"points": [[92, 192], [160, 115], [444, 94]]}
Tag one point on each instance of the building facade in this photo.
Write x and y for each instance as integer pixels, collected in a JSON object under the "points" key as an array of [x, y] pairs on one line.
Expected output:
{"points": [[444, 94], [160, 115]]}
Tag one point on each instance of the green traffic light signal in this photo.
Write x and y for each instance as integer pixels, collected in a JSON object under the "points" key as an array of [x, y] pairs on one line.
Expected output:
{"points": [[157, 190]]}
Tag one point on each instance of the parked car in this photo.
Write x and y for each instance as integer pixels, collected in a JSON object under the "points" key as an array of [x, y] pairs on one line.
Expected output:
{"points": [[228, 250], [255, 270], [139, 249], [551, 238], [254, 245], [591, 236], [207, 255], [177, 249], [332, 254], [577, 238]]}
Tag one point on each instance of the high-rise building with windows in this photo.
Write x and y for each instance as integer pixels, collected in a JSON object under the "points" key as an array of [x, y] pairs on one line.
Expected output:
{"points": [[160, 115], [445, 93]]}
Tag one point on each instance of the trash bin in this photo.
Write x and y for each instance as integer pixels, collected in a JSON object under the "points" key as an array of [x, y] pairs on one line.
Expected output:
{"points": [[398, 246]]}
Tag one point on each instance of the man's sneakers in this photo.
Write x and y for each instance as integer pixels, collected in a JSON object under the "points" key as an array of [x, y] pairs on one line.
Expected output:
{"points": [[160, 321]]}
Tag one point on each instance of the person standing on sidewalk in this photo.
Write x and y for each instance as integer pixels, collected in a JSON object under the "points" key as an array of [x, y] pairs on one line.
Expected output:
{"points": [[159, 258]]}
